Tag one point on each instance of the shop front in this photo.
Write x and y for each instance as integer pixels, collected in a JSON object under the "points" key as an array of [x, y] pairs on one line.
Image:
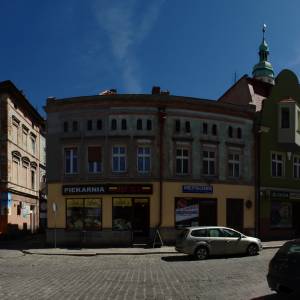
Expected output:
{"points": [[280, 214], [109, 214]]}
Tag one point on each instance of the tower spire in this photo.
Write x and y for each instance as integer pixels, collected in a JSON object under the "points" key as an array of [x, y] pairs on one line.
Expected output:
{"points": [[263, 70]]}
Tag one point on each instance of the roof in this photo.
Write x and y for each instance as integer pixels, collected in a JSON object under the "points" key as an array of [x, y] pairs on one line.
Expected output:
{"points": [[8, 87]]}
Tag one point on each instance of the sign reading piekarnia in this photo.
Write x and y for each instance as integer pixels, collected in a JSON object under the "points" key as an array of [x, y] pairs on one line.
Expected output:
{"points": [[107, 189]]}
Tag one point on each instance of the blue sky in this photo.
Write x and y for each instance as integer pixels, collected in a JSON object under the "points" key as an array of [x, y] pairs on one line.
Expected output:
{"points": [[192, 48]]}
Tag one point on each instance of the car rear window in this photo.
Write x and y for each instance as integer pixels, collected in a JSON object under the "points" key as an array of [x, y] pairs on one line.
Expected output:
{"points": [[199, 233]]}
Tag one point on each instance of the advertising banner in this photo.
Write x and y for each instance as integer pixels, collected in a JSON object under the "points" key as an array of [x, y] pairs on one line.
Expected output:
{"points": [[281, 214]]}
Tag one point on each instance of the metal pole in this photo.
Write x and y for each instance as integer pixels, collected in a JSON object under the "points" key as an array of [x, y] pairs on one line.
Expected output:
{"points": [[55, 229]]}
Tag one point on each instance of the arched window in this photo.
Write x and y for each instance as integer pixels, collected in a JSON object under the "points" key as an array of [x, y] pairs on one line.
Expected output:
{"points": [[239, 133], [139, 124], [230, 131], [214, 129], [124, 124], [113, 124]]}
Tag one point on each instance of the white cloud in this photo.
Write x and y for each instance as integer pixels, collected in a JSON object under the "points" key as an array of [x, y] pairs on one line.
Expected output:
{"points": [[126, 28]]}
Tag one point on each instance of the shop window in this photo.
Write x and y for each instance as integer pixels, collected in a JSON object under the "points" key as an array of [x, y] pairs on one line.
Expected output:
{"points": [[182, 161], [187, 126], [99, 124], [66, 127], [285, 117], [75, 126], [139, 124], [119, 159], [122, 214], [230, 132], [239, 133], [71, 161], [84, 214], [89, 125], [113, 124], [277, 165], [186, 212], [204, 128], [209, 162], [143, 159], [297, 167], [124, 124], [234, 165], [214, 129], [281, 214], [177, 125], [149, 125], [94, 159]]}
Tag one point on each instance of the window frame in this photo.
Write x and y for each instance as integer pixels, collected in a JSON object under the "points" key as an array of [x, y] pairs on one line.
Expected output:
{"points": [[234, 162], [72, 157], [297, 165], [182, 158], [143, 156], [119, 156], [209, 159], [276, 161], [100, 162]]}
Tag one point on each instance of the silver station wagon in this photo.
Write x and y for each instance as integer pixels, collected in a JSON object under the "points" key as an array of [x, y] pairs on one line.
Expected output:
{"points": [[212, 240]]}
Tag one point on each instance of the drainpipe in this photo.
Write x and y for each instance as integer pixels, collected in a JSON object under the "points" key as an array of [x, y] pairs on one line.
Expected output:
{"points": [[257, 180]]}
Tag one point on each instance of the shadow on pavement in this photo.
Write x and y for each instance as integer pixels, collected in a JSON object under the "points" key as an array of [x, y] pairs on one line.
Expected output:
{"points": [[35, 241], [175, 258]]}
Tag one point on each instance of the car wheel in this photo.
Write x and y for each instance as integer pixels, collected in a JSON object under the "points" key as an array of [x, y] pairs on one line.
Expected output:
{"points": [[201, 253], [252, 250]]}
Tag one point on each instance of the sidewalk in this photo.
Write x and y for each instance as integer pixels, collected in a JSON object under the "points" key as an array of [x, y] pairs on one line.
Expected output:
{"points": [[123, 251]]}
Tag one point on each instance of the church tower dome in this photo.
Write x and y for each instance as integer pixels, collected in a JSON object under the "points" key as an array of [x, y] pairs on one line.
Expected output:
{"points": [[264, 70]]}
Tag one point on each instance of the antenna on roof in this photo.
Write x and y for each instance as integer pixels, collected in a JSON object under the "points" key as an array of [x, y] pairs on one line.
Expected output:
{"points": [[235, 77]]}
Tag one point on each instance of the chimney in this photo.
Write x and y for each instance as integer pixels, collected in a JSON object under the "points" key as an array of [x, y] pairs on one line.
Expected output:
{"points": [[155, 90]]}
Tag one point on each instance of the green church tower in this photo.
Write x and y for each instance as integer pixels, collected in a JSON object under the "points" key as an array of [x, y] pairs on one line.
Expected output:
{"points": [[264, 70]]}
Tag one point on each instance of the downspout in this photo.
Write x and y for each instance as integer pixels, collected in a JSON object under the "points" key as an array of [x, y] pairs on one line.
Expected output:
{"points": [[257, 179]]}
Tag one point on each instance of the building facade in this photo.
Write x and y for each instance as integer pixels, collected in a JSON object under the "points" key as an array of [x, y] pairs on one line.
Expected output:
{"points": [[123, 167], [21, 129]]}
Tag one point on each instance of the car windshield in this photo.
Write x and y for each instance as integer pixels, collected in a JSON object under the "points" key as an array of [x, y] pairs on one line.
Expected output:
{"points": [[290, 248]]}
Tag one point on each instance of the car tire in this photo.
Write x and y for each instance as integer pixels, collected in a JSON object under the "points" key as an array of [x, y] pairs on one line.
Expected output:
{"points": [[201, 253], [252, 250]]}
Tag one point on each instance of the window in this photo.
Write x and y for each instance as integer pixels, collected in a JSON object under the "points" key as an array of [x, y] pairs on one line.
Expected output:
{"points": [[124, 124], [208, 161], [285, 117], [277, 165], [119, 159], [199, 233], [187, 126], [214, 130], [33, 179], [177, 125], [89, 125], [113, 124], [33, 144], [149, 125], [75, 126], [230, 233], [15, 169], [214, 232], [182, 161], [66, 127], [297, 167], [122, 214], [94, 159], [281, 214], [204, 128], [234, 165], [84, 214], [239, 133], [24, 137], [298, 128], [71, 161], [15, 130], [139, 124], [230, 131], [99, 124], [25, 167], [143, 159]]}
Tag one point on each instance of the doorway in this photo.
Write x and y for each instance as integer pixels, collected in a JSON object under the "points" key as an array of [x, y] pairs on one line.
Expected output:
{"points": [[140, 220], [208, 212], [235, 213], [296, 219]]}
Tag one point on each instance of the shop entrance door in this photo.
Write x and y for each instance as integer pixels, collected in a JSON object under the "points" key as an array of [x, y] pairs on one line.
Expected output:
{"points": [[235, 214], [140, 220], [208, 212], [296, 219]]}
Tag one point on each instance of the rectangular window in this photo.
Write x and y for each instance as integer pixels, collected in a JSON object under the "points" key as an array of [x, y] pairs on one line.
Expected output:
{"points": [[71, 161], [24, 138], [15, 129], [143, 159], [285, 117], [89, 125], [277, 165], [187, 126], [66, 127], [25, 166], [177, 125], [297, 167], [99, 124], [75, 126], [204, 128], [182, 161], [15, 169], [234, 165], [33, 179], [186, 212], [33, 144], [119, 163], [122, 214], [94, 159], [149, 125], [208, 162], [84, 214]]}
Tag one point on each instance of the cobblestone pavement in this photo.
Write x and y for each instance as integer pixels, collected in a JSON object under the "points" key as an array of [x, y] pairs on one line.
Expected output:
{"points": [[133, 277]]}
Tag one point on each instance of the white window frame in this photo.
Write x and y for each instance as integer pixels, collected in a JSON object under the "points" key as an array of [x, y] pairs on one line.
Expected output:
{"points": [[234, 162], [119, 155], [143, 156], [277, 162], [72, 157], [209, 159], [297, 165], [182, 158]]}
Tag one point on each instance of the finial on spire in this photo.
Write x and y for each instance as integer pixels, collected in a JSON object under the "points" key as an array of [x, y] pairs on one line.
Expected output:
{"points": [[264, 30]]}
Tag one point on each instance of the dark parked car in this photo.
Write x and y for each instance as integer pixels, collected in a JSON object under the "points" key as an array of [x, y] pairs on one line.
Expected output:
{"points": [[284, 269]]}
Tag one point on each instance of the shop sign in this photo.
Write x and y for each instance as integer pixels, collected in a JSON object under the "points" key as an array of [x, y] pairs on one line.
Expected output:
{"points": [[107, 189], [92, 203], [279, 194], [295, 196], [5, 204], [122, 202], [25, 210], [199, 189]]}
